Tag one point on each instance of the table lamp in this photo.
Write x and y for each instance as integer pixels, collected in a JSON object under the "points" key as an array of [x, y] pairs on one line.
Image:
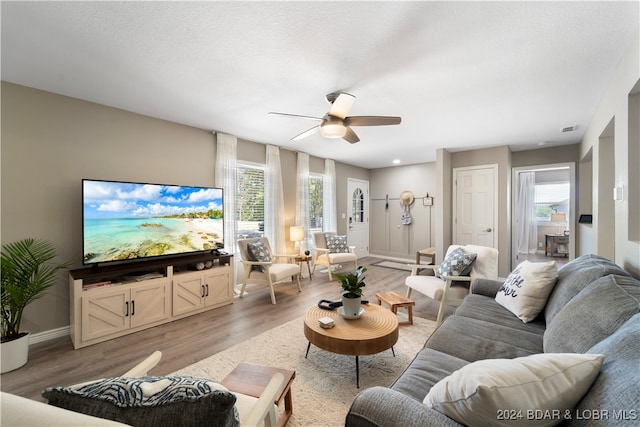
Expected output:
{"points": [[558, 218], [296, 234]]}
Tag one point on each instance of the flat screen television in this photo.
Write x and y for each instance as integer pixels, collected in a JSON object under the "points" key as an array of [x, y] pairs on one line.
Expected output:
{"points": [[133, 221]]}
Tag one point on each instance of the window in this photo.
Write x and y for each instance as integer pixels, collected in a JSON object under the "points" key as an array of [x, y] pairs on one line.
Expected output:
{"points": [[316, 206], [551, 198], [357, 207], [249, 201]]}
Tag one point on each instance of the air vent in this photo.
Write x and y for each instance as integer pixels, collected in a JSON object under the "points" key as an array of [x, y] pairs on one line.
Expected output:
{"points": [[569, 128]]}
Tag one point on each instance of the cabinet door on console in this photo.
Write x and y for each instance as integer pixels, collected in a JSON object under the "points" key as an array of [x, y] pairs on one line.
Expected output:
{"points": [[104, 312], [188, 293], [217, 289], [150, 303]]}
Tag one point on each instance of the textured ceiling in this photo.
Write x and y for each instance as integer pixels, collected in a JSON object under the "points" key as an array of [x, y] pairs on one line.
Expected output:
{"points": [[461, 75]]}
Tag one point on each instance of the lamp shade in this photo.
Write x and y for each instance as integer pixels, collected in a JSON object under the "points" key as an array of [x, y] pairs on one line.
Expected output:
{"points": [[558, 217], [296, 233]]}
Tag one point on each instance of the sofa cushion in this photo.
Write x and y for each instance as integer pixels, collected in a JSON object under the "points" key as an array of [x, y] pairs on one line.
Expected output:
{"points": [[616, 388], [150, 401], [487, 392], [471, 339], [427, 368], [527, 288], [594, 314], [575, 276], [485, 308], [456, 263]]}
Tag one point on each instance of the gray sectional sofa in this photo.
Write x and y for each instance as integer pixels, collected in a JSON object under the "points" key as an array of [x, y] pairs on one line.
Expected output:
{"points": [[593, 308]]}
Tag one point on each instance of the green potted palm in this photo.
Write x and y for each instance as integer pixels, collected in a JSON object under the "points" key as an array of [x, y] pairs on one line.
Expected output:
{"points": [[27, 272], [352, 285]]}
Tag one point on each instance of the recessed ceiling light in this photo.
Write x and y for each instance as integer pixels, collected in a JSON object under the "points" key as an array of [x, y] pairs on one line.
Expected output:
{"points": [[396, 161]]}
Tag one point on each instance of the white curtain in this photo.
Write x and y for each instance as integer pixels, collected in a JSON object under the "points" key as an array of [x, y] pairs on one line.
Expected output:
{"points": [[274, 201], [225, 176], [329, 208], [302, 196], [527, 228]]}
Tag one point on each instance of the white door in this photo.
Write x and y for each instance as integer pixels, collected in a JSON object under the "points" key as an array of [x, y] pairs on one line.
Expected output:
{"points": [[475, 207], [358, 211]]}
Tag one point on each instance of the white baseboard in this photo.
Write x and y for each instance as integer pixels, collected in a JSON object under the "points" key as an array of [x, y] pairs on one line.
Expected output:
{"points": [[50, 335], [397, 259]]}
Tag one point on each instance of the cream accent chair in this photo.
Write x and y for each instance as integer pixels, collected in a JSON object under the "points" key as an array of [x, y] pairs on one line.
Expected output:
{"points": [[322, 256], [20, 411], [253, 411], [449, 290], [266, 273]]}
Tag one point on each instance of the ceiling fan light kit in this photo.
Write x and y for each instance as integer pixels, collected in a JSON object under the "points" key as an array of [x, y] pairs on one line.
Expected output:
{"points": [[332, 127], [336, 124]]}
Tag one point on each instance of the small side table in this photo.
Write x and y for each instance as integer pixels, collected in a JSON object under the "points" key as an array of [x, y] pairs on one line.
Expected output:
{"points": [[304, 258], [429, 252], [251, 380], [395, 300]]}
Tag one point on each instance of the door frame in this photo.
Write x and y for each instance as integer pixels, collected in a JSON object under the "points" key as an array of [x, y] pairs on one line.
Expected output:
{"points": [[351, 182], [495, 200], [513, 262]]}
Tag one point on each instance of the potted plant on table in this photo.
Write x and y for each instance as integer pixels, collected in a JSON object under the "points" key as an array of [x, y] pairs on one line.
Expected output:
{"points": [[352, 285], [27, 272]]}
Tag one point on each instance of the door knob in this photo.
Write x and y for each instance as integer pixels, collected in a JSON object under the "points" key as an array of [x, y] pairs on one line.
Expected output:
{"points": [[488, 230]]}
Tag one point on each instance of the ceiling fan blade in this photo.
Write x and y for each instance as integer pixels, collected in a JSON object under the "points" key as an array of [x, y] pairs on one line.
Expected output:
{"points": [[306, 133], [342, 105], [372, 121], [297, 116], [351, 136]]}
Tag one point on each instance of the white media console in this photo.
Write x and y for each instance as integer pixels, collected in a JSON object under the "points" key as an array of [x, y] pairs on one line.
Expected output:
{"points": [[115, 300]]}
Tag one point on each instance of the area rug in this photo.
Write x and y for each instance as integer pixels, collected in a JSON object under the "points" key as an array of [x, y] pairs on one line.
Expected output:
{"points": [[325, 383], [393, 264]]}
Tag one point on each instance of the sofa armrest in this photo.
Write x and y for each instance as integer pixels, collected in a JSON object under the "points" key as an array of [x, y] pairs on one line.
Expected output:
{"points": [[381, 406], [486, 287]]}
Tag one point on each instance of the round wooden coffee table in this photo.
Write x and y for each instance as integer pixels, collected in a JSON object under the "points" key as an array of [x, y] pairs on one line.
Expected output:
{"points": [[374, 332]]}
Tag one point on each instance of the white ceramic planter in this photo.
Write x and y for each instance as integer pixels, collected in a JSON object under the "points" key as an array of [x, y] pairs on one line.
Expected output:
{"points": [[14, 354], [351, 306]]}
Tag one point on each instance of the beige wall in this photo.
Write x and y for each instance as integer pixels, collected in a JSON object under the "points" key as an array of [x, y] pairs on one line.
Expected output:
{"points": [[51, 142], [613, 155], [388, 236]]}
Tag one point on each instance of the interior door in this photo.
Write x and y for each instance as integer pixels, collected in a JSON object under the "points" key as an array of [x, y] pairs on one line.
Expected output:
{"points": [[475, 207], [358, 203]]}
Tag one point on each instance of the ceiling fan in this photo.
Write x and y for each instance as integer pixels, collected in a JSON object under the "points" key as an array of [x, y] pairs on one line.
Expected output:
{"points": [[336, 123]]}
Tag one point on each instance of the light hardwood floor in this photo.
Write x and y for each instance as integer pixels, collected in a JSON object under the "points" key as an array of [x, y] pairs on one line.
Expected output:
{"points": [[189, 340]]}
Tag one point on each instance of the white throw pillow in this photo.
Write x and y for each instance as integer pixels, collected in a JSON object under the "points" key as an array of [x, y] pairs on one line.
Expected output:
{"points": [[527, 288], [538, 390]]}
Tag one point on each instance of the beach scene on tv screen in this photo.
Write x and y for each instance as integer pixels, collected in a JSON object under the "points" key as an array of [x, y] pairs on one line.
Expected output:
{"points": [[127, 220]]}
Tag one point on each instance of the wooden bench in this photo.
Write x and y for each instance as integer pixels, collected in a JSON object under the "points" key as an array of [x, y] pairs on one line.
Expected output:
{"points": [[394, 300]]}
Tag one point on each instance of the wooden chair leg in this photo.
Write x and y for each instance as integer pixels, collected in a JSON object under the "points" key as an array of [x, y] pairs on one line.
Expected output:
{"points": [[272, 292], [244, 285], [440, 313]]}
